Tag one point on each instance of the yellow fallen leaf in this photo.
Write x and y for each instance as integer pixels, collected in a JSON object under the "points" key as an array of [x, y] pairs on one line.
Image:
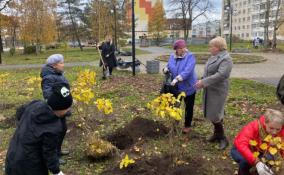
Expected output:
{"points": [[271, 162], [268, 138], [272, 150], [253, 142], [255, 154], [264, 146]]}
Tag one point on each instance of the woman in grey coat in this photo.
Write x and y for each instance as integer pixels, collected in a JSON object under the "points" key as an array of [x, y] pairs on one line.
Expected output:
{"points": [[215, 83]]}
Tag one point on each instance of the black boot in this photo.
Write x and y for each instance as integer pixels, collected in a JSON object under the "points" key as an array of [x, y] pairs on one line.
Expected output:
{"points": [[223, 141], [214, 137]]}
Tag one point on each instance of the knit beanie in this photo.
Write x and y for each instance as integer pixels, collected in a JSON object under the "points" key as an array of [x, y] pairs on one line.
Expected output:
{"points": [[54, 59], [61, 97], [179, 44]]}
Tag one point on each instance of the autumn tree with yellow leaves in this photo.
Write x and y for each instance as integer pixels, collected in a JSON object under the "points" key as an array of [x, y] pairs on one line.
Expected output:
{"points": [[38, 22], [157, 22], [101, 19]]}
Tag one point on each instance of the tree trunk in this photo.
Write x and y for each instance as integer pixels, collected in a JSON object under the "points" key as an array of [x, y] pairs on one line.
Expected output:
{"points": [[1, 47], [14, 37], [266, 24], [74, 27], [275, 26]]}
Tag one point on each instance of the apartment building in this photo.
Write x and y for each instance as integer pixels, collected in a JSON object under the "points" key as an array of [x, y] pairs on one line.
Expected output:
{"points": [[206, 30], [248, 17]]}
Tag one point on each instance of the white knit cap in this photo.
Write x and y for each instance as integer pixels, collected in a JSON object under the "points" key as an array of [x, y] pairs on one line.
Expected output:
{"points": [[55, 58]]}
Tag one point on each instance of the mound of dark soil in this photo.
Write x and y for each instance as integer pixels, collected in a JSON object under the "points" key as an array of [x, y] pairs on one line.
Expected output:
{"points": [[159, 166], [124, 137]]}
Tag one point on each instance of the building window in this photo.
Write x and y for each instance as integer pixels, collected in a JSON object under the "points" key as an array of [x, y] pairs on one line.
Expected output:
{"points": [[247, 35], [245, 2], [243, 35], [239, 27], [244, 19], [247, 26], [248, 18], [262, 6], [244, 11], [240, 19], [244, 27], [248, 10], [235, 28]]}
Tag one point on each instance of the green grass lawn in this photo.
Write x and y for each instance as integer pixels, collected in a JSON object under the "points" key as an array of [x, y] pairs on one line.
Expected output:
{"points": [[70, 55], [129, 95]]}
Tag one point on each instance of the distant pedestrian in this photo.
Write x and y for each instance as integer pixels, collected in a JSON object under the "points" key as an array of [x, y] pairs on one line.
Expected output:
{"points": [[108, 61], [215, 82], [33, 148]]}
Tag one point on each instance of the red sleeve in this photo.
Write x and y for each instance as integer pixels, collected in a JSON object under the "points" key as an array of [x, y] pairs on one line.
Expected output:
{"points": [[249, 132]]}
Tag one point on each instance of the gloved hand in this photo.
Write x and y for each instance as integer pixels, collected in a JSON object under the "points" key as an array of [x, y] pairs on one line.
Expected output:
{"points": [[165, 70], [60, 173], [107, 55], [263, 169], [179, 78], [174, 82]]}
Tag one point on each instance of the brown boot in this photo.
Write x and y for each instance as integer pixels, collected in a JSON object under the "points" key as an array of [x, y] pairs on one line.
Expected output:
{"points": [[214, 137]]}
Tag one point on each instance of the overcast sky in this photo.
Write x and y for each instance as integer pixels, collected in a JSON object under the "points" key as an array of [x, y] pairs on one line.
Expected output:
{"points": [[214, 15]]}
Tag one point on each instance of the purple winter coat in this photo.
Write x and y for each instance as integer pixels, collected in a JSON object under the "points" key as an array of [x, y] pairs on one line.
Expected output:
{"points": [[185, 67]]}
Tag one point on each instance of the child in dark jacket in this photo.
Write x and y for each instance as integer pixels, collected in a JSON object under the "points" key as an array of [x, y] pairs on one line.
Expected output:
{"points": [[33, 148], [271, 123], [52, 75]]}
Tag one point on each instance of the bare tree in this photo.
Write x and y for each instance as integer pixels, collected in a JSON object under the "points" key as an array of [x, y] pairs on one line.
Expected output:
{"points": [[266, 22], [71, 11], [277, 23], [189, 11], [3, 5], [272, 18]]}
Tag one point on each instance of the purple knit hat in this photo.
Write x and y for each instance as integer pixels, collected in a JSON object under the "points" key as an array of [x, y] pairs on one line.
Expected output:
{"points": [[179, 44]]}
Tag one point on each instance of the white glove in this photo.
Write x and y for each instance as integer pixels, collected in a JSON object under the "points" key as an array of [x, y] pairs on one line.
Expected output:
{"points": [[60, 173], [174, 82], [263, 169], [179, 78], [107, 55], [165, 70]]}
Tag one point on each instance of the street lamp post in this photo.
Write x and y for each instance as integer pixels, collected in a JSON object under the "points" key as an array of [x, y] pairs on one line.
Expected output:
{"points": [[231, 27], [115, 27], [133, 37], [231, 12]]}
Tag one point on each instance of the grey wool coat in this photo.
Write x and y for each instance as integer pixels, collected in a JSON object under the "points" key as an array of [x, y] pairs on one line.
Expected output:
{"points": [[216, 85]]}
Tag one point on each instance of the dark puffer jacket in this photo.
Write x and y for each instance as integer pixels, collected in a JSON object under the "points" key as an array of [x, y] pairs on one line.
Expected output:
{"points": [[32, 149], [280, 90], [50, 77]]}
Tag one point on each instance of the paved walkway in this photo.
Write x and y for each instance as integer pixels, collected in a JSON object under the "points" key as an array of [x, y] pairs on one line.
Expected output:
{"points": [[267, 72]]}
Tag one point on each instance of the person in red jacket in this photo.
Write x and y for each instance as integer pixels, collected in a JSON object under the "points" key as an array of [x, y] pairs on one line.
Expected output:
{"points": [[271, 123]]}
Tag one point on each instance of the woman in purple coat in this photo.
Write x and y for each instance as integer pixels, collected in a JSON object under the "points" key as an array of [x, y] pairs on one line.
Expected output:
{"points": [[181, 65]]}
